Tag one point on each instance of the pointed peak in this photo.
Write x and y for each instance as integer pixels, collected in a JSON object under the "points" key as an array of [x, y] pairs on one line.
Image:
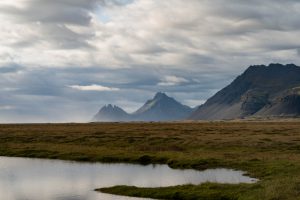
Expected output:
{"points": [[160, 95]]}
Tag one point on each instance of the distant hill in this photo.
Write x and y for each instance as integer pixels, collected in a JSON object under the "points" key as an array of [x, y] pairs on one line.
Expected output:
{"points": [[160, 108], [110, 113], [261, 90]]}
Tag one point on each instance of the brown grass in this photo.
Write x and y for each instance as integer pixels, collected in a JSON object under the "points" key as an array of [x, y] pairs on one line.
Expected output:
{"points": [[267, 150]]}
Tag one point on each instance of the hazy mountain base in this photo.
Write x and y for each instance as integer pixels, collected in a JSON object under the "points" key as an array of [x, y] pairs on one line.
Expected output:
{"points": [[267, 150]]}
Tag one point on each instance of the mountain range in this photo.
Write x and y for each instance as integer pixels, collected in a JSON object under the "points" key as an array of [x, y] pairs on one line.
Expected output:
{"points": [[160, 108], [261, 91]]}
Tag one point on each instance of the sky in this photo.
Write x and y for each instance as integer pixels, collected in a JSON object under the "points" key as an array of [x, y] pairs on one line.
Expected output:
{"points": [[62, 60]]}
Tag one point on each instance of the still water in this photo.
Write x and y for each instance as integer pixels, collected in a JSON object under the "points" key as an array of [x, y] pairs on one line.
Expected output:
{"points": [[40, 179]]}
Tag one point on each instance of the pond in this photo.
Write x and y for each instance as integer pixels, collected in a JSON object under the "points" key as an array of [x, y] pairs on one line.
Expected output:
{"points": [[36, 179]]}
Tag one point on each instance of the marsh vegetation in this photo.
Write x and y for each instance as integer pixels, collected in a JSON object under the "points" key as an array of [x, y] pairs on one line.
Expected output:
{"points": [[269, 151]]}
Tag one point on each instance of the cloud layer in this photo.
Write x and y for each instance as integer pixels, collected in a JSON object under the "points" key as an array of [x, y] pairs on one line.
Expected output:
{"points": [[61, 60]]}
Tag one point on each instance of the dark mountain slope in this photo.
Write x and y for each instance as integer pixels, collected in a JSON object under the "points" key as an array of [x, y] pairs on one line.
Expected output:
{"points": [[257, 89], [162, 108], [285, 105]]}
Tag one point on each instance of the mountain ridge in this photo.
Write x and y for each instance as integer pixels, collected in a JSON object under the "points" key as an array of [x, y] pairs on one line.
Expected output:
{"points": [[160, 108], [260, 91]]}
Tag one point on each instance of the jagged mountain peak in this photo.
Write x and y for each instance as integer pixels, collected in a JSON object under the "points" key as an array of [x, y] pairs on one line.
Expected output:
{"points": [[111, 107], [108, 106], [273, 66]]}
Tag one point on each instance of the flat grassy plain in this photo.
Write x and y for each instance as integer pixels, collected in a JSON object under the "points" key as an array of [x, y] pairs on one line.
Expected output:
{"points": [[269, 151]]}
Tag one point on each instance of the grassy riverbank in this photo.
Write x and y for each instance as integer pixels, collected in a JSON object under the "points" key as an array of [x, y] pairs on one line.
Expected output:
{"points": [[269, 151]]}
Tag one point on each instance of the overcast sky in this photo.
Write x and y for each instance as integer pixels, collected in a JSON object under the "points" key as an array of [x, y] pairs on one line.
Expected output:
{"points": [[61, 60]]}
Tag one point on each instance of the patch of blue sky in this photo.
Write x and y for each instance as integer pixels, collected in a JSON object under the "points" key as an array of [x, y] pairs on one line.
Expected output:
{"points": [[103, 16]]}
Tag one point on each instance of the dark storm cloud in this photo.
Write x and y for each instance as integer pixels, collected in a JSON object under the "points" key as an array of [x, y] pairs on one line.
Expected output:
{"points": [[64, 38], [270, 14], [51, 18], [76, 12], [53, 11]]}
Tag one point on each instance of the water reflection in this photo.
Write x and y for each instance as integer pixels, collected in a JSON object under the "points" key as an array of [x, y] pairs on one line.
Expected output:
{"points": [[36, 179]]}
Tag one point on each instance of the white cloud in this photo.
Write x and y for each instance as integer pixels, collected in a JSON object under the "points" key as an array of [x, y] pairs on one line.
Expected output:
{"points": [[94, 87], [172, 81]]}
